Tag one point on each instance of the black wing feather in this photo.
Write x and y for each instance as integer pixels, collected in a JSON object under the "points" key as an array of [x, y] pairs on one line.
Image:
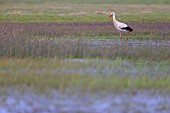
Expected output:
{"points": [[127, 28]]}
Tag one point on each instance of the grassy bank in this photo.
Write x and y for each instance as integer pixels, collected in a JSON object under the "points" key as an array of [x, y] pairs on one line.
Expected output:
{"points": [[88, 18], [64, 12]]}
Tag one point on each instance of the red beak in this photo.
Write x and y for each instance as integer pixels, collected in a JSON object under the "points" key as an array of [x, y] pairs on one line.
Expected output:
{"points": [[110, 16]]}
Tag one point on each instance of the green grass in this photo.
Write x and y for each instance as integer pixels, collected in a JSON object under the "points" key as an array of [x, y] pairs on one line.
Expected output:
{"points": [[50, 18], [88, 18], [81, 82], [63, 12], [84, 82]]}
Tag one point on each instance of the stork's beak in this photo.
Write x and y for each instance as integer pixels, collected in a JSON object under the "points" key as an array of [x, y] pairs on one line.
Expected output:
{"points": [[110, 15]]}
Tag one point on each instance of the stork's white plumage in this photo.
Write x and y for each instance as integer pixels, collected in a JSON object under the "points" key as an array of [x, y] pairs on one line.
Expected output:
{"points": [[121, 27]]}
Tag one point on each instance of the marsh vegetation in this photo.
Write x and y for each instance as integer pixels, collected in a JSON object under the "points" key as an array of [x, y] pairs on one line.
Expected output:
{"points": [[55, 56]]}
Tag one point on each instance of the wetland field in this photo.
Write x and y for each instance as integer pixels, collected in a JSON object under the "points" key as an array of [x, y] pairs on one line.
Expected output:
{"points": [[65, 56]]}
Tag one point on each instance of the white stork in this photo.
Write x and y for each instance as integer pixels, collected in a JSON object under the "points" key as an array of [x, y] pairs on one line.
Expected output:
{"points": [[121, 27]]}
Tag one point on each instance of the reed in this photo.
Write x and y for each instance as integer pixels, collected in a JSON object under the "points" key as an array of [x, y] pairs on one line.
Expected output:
{"points": [[81, 40]]}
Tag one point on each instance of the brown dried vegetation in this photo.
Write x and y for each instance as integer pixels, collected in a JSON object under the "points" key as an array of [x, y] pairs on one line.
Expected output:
{"points": [[56, 40]]}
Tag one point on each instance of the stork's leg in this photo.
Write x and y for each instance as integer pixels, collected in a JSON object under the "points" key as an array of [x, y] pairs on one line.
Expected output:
{"points": [[127, 34], [120, 35]]}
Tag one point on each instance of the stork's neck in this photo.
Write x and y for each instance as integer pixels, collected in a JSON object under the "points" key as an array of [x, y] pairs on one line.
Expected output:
{"points": [[114, 19]]}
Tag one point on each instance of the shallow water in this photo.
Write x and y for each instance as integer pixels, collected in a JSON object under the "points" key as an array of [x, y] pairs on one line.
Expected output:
{"points": [[131, 43], [57, 102], [112, 42]]}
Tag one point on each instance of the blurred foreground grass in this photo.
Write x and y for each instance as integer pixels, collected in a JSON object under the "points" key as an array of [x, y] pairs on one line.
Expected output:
{"points": [[83, 82], [20, 73]]}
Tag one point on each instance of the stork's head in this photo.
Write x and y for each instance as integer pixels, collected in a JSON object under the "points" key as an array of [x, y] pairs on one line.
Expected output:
{"points": [[112, 14]]}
